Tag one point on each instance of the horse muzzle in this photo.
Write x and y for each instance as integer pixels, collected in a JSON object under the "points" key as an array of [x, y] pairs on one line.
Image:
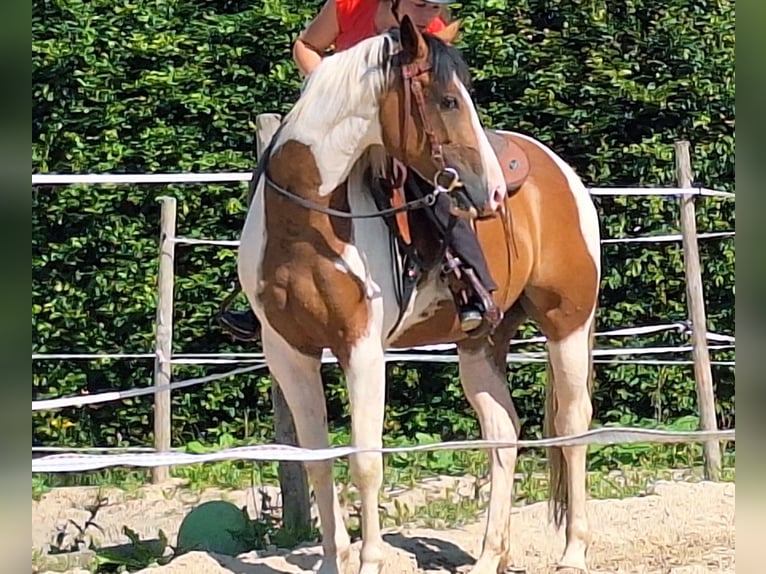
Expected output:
{"points": [[468, 197]]}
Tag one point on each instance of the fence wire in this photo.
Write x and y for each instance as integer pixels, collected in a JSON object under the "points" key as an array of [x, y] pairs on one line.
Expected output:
{"points": [[76, 462]]}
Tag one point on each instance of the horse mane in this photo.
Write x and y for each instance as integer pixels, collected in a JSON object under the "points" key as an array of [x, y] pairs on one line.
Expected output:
{"points": [[355, 79], [360, 75], [351, 79]]}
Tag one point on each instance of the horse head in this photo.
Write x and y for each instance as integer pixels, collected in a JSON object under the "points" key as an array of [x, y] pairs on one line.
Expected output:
{"points": [[402, 90], [429, 122]]}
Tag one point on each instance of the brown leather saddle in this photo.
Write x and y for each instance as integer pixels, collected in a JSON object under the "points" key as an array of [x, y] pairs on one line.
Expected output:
{"points": [[512, 158]]}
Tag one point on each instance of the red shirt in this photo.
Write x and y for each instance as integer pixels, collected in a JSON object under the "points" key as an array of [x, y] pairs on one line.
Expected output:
{"points": [[356, 21]]}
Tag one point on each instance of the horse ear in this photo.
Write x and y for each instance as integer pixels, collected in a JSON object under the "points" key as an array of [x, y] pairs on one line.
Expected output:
{"points": [[413, 45], [449, 33]]}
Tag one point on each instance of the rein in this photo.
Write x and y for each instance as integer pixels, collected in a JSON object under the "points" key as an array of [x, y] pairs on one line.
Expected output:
{"points": [[426, 201], [413, 87]]}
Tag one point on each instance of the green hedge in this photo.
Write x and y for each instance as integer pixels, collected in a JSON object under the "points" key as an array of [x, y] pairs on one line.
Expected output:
{"points": [[175, 86]]}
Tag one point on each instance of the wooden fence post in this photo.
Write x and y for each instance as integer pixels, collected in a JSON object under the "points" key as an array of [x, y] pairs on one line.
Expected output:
{"points": [[164, 334], [696, 305], [296, 505]]}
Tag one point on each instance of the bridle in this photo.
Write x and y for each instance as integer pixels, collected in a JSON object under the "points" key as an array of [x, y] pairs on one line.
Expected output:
{"points": [[411, 73], [445, 180]]}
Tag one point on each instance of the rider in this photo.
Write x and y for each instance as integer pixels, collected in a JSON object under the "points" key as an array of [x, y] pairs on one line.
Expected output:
{"points": [[341, 24]]}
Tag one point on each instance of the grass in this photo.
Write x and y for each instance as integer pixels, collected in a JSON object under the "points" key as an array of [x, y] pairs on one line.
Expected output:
{"points": [[453, 508]]}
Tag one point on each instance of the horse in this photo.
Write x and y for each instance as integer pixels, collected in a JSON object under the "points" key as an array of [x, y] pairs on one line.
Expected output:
{"points": [[317, 266]]}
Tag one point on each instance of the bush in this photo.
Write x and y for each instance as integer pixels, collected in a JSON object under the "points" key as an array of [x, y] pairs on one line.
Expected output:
{"points": [[176, 87]]}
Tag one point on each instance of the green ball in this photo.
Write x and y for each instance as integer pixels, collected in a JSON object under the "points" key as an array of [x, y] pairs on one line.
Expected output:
{"points": [[216, 526]]}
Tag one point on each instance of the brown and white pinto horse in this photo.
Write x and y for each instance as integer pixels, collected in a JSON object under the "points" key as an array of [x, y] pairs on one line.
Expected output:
{"points": [[318, 281]]}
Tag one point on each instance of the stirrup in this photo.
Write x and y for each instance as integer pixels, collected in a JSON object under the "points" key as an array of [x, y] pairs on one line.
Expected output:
{"points": [[227, 321], [470, 320], [223, 319], [492, 312], [474, 323]]}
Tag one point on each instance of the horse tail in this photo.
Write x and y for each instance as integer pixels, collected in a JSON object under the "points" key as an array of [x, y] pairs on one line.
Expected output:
{"points": [[558, 493]]}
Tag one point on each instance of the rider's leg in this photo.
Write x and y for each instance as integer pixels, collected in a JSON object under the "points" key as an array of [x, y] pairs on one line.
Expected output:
{"points": [[464, 243], [242, 325]]}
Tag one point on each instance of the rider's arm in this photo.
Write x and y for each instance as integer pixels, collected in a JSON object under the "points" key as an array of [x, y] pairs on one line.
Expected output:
{"points": [[318, 36]]}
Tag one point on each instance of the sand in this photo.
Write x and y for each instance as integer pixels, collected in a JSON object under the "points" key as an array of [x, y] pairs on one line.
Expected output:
{"points": [[681, 528]]}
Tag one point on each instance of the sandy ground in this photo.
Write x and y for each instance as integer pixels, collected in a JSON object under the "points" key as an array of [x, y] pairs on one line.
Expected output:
{"points": [[681, 528]]}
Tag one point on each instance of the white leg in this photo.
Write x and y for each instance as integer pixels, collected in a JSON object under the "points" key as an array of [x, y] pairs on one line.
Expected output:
{"points": [[486, 389], [570, 361], [299, 378], [365, 373]]}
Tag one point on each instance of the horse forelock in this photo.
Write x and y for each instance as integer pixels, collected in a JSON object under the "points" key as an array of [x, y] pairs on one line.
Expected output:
{"points": [[445, 61]]}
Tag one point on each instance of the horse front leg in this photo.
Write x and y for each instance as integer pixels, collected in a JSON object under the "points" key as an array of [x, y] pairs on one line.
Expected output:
{"points": [[364, 366], [483, 370], [299, 378], [487, 391]]}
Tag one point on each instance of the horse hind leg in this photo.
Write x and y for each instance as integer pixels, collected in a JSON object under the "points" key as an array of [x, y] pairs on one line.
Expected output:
{"points": [[299, 378], [482, 374], [568, 411]]}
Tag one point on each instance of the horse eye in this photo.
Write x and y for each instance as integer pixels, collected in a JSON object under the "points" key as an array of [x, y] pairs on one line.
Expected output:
{"points": [[449, 103]]}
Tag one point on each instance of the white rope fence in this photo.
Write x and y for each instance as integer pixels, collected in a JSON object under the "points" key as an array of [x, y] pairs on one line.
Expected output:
{"points": [[327, 358], [83, 400], [517, 359], [77, 462], [140, 178], [666, 238], [642, 239], [420, 354], [228, 177], [277, 452], [90, 356], [673, 191], [521, 358], [187, 358]]}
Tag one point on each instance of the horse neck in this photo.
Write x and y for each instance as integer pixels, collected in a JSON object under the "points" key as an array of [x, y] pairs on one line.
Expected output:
{"points": [[337, 148], [338, 115]]}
